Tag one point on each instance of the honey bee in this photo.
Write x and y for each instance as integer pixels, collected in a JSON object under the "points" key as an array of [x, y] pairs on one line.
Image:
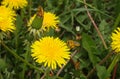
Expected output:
{"points": [[72, 44], [40, 12]]}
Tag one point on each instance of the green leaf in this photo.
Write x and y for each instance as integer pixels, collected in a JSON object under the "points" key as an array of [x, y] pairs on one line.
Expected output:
{"points": [[18, 31], [50, 32], [117, 5], [89, 45], [114, 61], [83, 64], [67, 76], [19, 22], [54, 77], [117, 22], [2, 64], [82, 76], [102, 72], [67, 28], [1, 76], [102, 27], [81, 19], [65, 18]]}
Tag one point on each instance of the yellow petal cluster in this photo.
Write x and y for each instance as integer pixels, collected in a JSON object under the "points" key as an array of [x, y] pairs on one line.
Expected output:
{"points": [[16, 4], [116, 40], [7, 18], [50, 51], [50, 20]]}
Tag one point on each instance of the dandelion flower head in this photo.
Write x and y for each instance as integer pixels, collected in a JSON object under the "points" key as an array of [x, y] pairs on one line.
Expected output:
{"points": [[50, 20], [51, 51], [116, 40], [16, 4], [7, 18]]}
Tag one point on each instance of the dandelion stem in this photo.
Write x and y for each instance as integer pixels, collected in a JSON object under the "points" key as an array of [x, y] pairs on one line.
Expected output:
{"points": [[30, 5], [18, 57], [114, 72], [100, 63], [66, 63], [115, 60], [95, 26]]}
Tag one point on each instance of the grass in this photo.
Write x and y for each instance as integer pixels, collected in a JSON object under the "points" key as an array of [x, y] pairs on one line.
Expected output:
{"points": [[93, 59]]}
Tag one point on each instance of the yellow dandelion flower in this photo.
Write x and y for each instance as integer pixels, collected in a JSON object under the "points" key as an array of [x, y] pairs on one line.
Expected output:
{"points": [[116, 40], [16, 4], [49, 20], [7, 18], [50, 51]]}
